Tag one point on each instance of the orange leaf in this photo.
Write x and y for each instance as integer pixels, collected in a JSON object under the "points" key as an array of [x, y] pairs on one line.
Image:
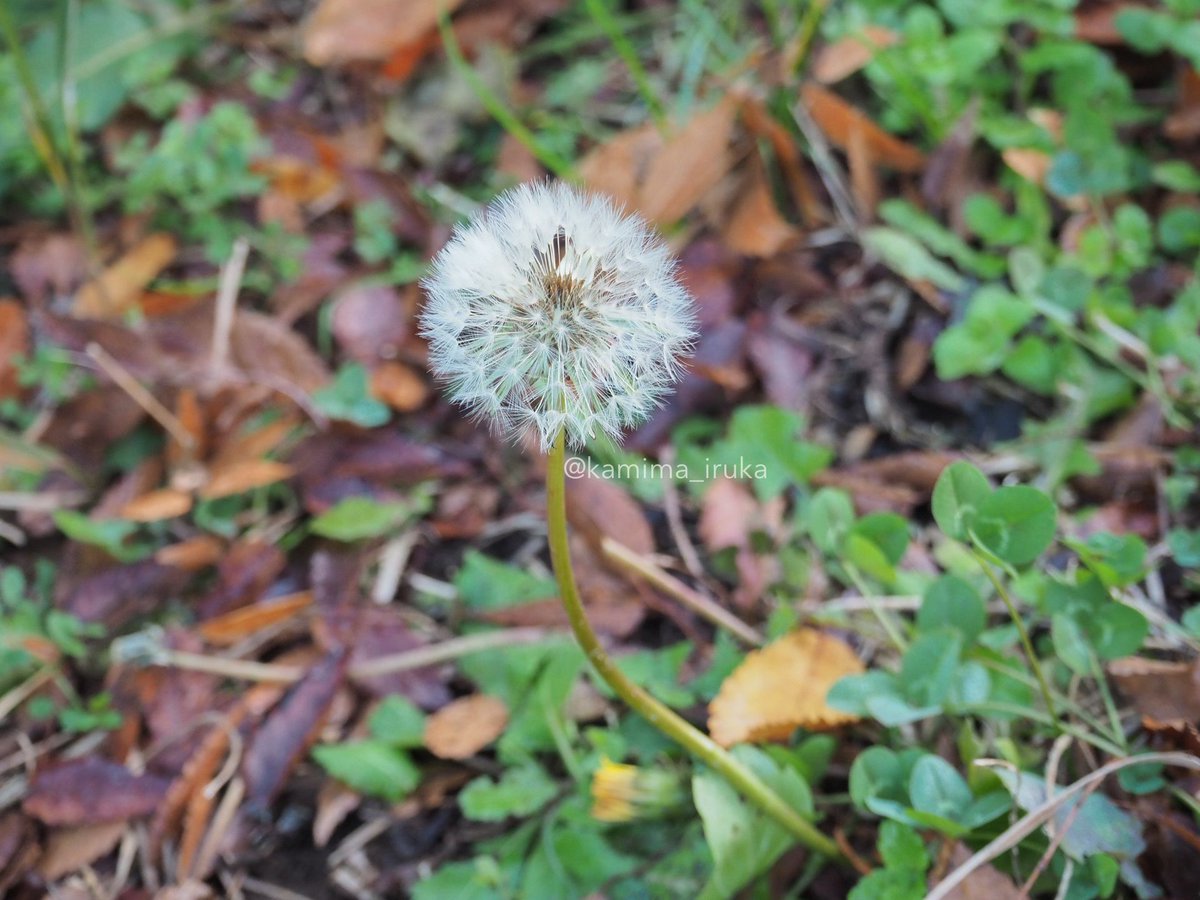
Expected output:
{"points": [[155, 506], [840, 121], [191, 555], [14, 341], [843, 58], [244, 475], [781, 688], [755, 226], [233, 626], [399, 387], [466, 726], [119, 288]]}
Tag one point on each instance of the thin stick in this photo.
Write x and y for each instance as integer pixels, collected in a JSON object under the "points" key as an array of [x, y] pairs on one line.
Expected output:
{"points": [[687, 552], [655, 713], [669, 584], [227, 292], [445, 651], [142, 397]]}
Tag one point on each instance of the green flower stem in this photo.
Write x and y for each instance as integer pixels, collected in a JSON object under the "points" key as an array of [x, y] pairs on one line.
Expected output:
{"points": [[654, 712], [1025, 642]]}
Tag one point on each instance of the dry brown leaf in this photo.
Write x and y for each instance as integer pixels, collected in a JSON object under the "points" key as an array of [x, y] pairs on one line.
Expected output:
{"points": [[985, 883], [840, 121], [233, 626], [70, 849], [755, 226], [844, 57], [466, 726], [781, 688], [1032, 165], [166, 503], [244, 475], [297, 179], [664, 178], [343, 31], [191, 555], [14, 341], [118, 289], [598, 508], [335, 801], [399, 386], [1162, 690]]}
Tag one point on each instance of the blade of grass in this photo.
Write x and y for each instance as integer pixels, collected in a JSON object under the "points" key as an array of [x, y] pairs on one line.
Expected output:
{"points": [[495, 106]]}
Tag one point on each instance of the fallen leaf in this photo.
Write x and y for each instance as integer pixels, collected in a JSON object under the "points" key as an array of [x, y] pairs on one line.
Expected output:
{"points": [[598, 508], [1032, 165], [664, 178], [335, 801], [68, 850], [243, 575], [47, 265], [466, 726], [288, 731], [191, 555], [370, 322], [244, 475], [344, 31], [240, 623], [19, 849], [728, 515], [14, 342], [114, 595], [89, 790], [296, 179], [166, 503], [1162, 690], [399, 386], [844, 57], [118, 289], [754, 226], [840, 122], [781, 688], [985, 883], [269, 352]]}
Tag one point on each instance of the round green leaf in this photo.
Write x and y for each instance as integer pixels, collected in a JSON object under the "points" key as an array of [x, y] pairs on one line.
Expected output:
{"points": [[956, 498], [954, 602], [1016, 524]]}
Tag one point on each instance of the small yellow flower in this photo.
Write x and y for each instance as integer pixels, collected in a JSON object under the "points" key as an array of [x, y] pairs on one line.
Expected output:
{"points": [[621, 792]]}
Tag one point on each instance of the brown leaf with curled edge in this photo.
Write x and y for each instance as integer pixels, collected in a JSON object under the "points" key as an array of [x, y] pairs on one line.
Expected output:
{"points": [[466, 726], [844, 57], [84, 791], [191, 555], [399, 386], [664, 178], [346, 31], [781, 688], [270, 352], [841, 122], [119, 287]]}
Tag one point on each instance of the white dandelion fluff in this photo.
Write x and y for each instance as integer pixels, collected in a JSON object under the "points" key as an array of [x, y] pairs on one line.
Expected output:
{"points": [[554, 311]]}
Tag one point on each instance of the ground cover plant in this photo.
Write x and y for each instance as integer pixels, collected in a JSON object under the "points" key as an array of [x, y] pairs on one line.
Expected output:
{"points": [[911, 541]]}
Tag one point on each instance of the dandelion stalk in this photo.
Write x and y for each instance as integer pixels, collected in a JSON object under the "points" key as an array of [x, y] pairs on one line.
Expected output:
{"points": [[555, 315], [639, 700]]}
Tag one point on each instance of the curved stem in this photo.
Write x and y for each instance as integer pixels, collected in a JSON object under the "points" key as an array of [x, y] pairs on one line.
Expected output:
{"points": [[665, 720], [1024, 635]]}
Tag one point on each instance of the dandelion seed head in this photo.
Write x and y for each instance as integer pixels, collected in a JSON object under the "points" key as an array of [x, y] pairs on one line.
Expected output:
{"points": [[554, 310]]}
